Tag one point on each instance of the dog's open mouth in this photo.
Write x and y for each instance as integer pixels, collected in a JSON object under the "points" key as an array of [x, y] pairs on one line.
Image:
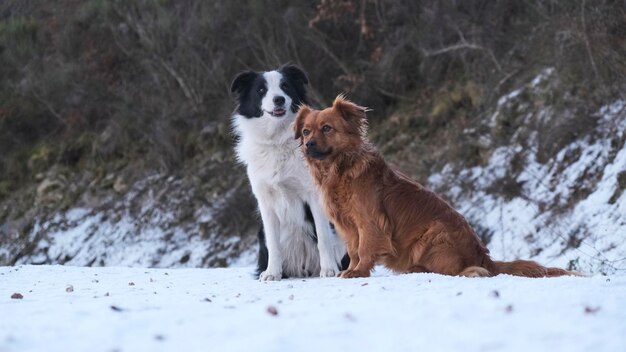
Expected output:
{"points": [[277, 112]]}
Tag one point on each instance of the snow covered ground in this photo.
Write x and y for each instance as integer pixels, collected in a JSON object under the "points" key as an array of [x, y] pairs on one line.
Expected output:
{"points": [[133, 309]]}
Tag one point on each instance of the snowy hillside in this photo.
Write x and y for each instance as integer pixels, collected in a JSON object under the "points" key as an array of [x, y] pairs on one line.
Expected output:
{"points": [[159, 221], [65, 308], [568, 211]]}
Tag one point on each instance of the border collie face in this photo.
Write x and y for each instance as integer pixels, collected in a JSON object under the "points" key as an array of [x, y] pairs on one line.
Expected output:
{"points": [[274, 94]]}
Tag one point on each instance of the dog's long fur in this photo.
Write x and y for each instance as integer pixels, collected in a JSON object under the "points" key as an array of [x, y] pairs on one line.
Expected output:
{"points": [[383, 214], [296, 239]]}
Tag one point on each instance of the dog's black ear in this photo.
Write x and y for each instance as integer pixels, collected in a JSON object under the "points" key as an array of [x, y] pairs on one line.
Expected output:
{"points": [[242, 82], [294, 73], [352, 113], [298, 123], [298, 80]]}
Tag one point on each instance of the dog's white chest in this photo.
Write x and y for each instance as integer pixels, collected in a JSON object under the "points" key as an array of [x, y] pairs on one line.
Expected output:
{"points": [[272, 162]]}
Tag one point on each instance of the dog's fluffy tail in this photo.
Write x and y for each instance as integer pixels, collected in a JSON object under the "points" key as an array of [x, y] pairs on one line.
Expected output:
{"points": [[529, 268]]}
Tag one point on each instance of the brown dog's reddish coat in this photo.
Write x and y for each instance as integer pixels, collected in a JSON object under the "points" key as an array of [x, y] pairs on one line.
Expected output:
{"points": [[383, 215]]}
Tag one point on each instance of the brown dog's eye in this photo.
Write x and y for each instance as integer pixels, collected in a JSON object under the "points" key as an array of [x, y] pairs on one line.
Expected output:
{"points": [[305, 132], [326, 128]]}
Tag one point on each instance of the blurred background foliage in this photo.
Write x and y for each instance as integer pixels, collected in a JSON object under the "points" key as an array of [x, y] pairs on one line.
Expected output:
{"points": [[144, 85]]}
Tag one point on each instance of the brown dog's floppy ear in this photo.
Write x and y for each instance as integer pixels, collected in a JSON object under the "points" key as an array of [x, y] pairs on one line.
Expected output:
{"points": [[299, 121], [352, 113]]}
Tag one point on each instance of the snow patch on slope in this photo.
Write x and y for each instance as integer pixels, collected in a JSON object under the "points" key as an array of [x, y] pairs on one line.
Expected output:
{"points": [[549, 221], [148, 228]]}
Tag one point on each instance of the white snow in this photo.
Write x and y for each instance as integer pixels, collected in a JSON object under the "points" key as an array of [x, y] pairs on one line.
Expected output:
{"points": [[154, 224], [116, 242], [539, 224], [227, 310]]}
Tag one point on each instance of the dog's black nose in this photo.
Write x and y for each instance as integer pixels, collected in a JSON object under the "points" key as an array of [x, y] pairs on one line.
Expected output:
{"points": [[311, 144], [279, 101]]}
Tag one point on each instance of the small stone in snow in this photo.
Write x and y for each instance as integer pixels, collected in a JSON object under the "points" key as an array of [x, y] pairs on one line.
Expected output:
{"points": [[131, 284], [290, 297], [272, 310], [364, 284], [159, 337], [207, 300], [591, 310], [116, 309], [509, 308], [495, 294], [459, 293], [106, 294], [69, 288], [17, 296]]}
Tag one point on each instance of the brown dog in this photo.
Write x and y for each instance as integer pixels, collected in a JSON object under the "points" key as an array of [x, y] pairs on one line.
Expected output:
{"points": [[384, 215]]}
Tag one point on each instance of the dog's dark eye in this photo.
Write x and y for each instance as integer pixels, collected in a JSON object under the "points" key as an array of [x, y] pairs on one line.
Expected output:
{"points": [[305, 132], [283, 86], [326, 128], [262, 90]]}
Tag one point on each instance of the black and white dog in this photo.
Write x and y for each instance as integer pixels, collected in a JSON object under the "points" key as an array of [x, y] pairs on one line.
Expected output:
{"points": [[296, 239]]}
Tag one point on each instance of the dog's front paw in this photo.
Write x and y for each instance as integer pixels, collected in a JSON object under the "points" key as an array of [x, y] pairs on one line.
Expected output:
{"points": [[350, 274], [329, 272], [268, 276]]}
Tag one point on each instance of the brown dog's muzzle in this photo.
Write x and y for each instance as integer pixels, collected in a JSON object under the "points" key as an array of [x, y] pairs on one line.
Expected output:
{"points": [[313, 150]]}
